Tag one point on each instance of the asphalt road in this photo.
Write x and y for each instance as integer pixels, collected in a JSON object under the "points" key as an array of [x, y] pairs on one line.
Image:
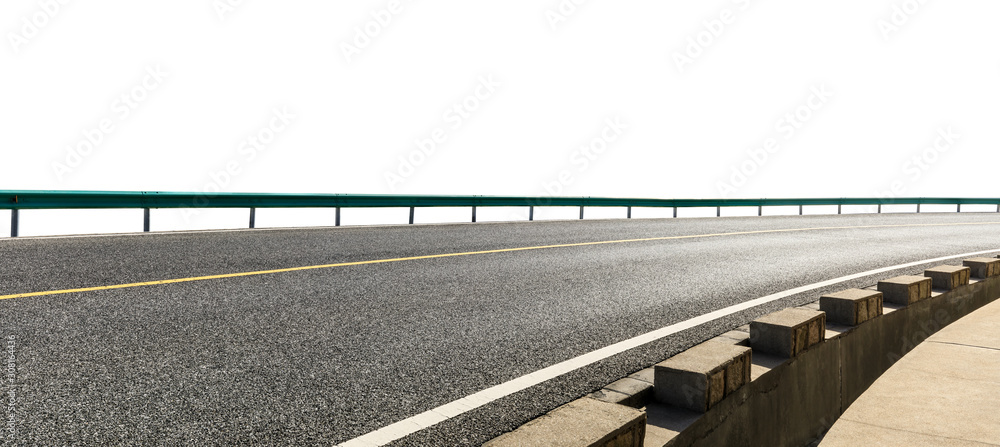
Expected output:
{"points": [[321, 356]]}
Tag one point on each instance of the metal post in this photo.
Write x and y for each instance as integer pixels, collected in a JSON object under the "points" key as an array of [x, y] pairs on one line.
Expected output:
{"points": [[13, 222], [675, 211], [337, 219], [411, 215], [581, 212], [959, 207], [253, 217], [473, 213], [880, 208], [531, 212], [760, 210], [918, 207], [800, 210], [629, 216], [145, 220], [838, 208]]}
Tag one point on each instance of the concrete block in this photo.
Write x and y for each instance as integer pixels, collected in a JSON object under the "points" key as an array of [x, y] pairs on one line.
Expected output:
{"points": [[734, 338], [582, 423], [948, 277], [738, 373], [788, 332], [983, 268], [645, 375], [611, 397], [638, 391], [852, 306], [700, 377], [905, 290]]}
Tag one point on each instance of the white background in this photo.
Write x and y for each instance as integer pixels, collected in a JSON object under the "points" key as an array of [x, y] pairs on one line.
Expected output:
{"points": [[898, 75]]}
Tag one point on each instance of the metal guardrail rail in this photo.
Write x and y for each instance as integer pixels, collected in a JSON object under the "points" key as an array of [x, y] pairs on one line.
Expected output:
{"points": [[34, 200]]}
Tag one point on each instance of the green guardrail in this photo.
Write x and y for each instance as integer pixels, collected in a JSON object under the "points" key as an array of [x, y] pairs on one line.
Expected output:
{"points": [[34, 200]]}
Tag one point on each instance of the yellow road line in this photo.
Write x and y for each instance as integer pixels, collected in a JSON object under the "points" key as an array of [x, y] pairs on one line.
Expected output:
{"points": [[469, 253]]}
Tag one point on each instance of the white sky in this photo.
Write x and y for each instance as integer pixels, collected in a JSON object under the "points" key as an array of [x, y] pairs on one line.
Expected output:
{"points": [[552, 78]]}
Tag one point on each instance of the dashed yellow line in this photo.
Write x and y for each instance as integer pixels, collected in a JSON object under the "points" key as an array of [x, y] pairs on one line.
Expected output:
{"points": [[468, 253]]}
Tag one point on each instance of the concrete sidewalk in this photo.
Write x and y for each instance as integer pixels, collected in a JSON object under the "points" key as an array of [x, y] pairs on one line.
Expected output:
{"points": [[944, 392]]}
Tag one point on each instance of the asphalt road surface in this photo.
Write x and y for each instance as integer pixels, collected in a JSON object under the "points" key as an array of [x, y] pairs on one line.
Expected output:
{"points": [[321, 356]]}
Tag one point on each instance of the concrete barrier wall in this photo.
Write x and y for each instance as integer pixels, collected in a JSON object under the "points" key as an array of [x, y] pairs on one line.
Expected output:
{"points": [[799, 385]]}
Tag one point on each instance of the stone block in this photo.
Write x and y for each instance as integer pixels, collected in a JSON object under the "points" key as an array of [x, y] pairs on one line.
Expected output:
{"points": [[702, 376], [788, 332], [948, 277], [905, 290], [852, 306], [983, 268]]}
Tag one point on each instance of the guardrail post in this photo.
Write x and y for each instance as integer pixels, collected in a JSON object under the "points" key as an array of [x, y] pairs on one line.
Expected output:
{"points": [[411, 215], [918, 207], [800, 210], [675, 212], [531, 212], [145, 220], [959, 207], [473, 213], [629, 215], [838, 208], [581, 212], [718, 211], [760, 210], [13, 222], [253, 217], [880, 208], [337, 219]]}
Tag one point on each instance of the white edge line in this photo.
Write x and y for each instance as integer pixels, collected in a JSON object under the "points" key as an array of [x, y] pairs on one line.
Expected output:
{"points": [[455, 408]]}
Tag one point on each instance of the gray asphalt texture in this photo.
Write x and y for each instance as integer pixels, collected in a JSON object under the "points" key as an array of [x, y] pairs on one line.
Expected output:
{"points": [[319, 357]]}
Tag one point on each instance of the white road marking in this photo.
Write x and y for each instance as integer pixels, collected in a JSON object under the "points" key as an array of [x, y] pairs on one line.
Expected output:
{"points": [[450, 410]]}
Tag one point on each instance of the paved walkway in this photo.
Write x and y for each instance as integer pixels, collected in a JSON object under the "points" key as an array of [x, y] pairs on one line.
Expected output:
{"points": [[944, 392]]}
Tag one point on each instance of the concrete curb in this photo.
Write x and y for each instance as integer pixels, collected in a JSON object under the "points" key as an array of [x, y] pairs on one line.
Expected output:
{"points": [[807, 365], [584, 422]]}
